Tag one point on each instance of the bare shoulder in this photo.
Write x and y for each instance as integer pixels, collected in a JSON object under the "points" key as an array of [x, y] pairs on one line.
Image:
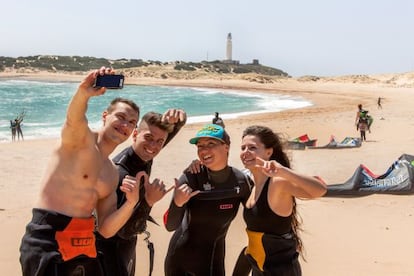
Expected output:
{"points": [[279, 184]]}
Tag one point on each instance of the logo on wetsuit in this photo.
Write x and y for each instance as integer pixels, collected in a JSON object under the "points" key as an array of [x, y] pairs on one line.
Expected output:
{"points": [[82, 241], [207, 187], [226, 206]]}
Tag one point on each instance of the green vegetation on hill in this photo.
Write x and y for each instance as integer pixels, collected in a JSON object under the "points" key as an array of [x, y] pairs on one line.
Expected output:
{"points": [[82, 64]]}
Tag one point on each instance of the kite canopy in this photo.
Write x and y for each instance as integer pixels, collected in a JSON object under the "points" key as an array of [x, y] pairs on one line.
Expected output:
{"points": [[346, 143], [397, 180], [301, 142]]}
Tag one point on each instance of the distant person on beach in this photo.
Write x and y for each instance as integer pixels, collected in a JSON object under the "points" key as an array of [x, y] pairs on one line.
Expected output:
{"points": [[363, 127], [358, 114], [13, 126], [363, 124], [203, 206], [218, 120], [270, 214], [362, 117], [379, 105], [81, 181], [153, 133], [18, 122]]}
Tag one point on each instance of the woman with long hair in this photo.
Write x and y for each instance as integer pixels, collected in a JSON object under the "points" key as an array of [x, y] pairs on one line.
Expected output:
{"points": [[272, 222]]}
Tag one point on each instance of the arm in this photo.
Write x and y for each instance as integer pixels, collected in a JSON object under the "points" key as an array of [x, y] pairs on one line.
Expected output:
{"points": [[302, 186], [137, 223], [177, 117], [111, 219], [175, 213], [357, 118], [21, 116], [75, 131], [295, 184], [174, 216]]}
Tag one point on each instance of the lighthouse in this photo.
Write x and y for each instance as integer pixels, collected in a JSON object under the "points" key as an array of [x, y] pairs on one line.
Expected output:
{"points": [[229, 48]]}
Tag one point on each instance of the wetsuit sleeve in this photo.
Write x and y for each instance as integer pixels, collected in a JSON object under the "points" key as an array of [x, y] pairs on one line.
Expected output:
{"points": [[137, 223], [122, 172], [176, 129], [174, 215]]}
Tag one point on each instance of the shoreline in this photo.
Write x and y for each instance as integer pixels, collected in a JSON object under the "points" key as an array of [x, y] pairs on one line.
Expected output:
{"points": [[262, 97], [363, 231]]}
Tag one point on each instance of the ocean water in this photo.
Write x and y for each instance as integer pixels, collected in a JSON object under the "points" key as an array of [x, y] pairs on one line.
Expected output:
{"points": [[44, 104]]}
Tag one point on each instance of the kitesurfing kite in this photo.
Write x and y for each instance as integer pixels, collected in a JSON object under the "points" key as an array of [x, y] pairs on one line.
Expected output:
{"points": [[397, 180], [346, 143]]}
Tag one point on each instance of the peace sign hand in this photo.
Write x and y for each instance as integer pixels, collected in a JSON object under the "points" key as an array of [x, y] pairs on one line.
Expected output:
{"points": [[269, 167]]}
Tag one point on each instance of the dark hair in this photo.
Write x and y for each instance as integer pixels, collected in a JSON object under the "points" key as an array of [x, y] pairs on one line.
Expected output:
{"points": [[155, 119], [272, 140], [112, 104]]}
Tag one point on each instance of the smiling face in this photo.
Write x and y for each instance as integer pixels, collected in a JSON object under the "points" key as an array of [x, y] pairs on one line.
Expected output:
{"points": [[120, 122], [148, 141], [212, 153], [252, 147]]}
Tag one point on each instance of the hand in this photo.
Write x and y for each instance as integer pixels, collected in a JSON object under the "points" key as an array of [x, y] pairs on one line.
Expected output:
{"points": [[155, 191], [270, 168], [86, 86], [183, 193], [194, 167], [130, 186], [173, 116]]}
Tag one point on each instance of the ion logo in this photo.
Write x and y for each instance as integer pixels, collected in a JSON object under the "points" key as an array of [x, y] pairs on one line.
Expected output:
{"points": [[226, 206]]}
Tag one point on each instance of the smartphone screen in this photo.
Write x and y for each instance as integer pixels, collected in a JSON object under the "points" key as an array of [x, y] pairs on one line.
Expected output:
{"points": [[109, 81]]}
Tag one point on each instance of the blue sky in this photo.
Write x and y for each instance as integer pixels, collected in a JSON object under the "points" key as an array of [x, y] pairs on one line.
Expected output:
{"points": [[300, 37]]}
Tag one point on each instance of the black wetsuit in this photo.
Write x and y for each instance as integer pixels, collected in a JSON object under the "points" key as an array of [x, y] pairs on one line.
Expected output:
{"points": [[55, 244], [272, 245], [198, 245], [119, 251]]}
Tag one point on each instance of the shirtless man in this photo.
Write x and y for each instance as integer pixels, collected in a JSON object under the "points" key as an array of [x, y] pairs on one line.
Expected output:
{"points": [[79, 180]]}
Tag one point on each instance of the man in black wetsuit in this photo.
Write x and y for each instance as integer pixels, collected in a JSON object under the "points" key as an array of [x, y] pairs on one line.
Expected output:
{"points": [[152, 134], [203, 206], [218, 120]]}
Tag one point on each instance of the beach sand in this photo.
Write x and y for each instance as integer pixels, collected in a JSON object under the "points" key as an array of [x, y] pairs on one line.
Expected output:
{"points": [[342, 236]]}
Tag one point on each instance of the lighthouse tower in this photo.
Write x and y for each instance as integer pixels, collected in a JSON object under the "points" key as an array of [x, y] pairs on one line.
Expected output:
{"points": [[229, 48]]}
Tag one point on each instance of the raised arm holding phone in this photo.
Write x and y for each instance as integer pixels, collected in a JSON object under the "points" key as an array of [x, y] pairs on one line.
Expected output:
{"points": [[80, 179]]}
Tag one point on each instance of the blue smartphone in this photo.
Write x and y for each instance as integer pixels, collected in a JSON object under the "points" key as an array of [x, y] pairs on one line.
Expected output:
{"points": [[109, 81]]}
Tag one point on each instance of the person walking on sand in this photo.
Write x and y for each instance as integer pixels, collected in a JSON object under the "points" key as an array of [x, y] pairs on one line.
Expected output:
{"points": [[379, 105], [271, 217], [81, 181], [363, 117], [363, 126], [206, 200], [152, 134]]}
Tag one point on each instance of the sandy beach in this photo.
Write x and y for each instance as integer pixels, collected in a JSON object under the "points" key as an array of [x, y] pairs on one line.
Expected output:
{"points": [[342, 236]]}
